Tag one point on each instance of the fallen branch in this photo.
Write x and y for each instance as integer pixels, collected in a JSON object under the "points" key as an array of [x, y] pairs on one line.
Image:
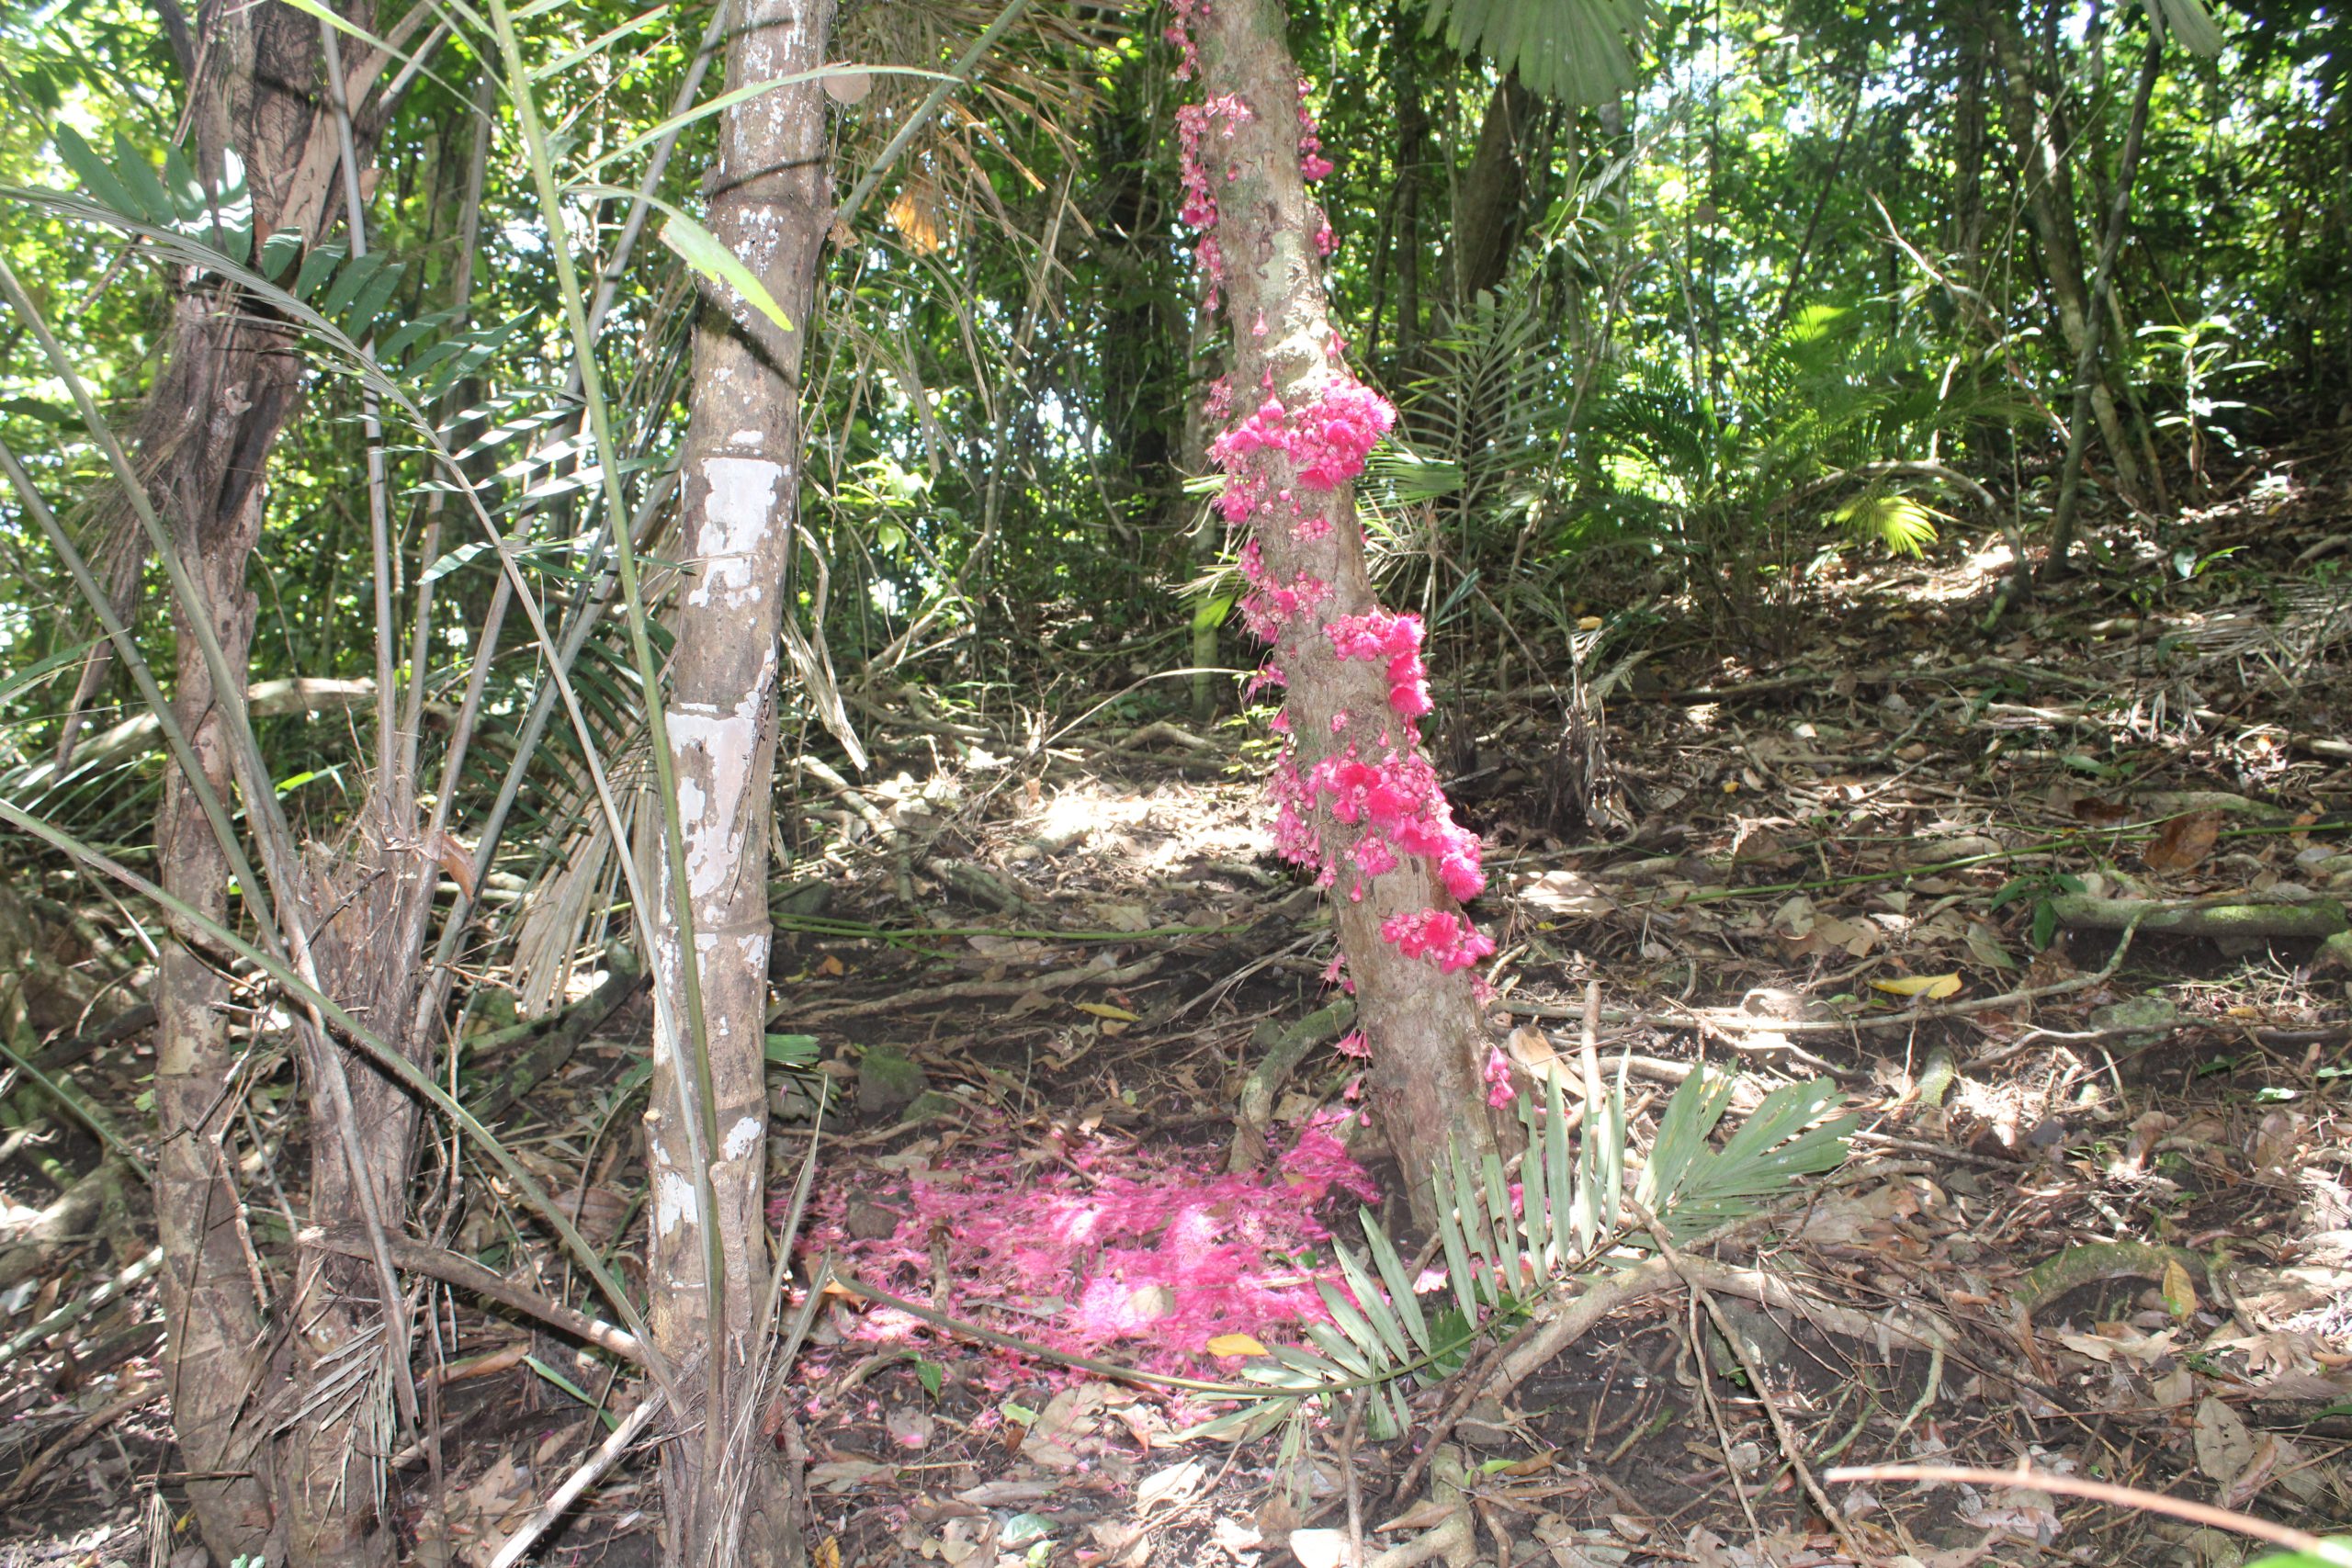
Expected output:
{"points": [[80, 1432], [65, 1053], [1558, 1322], [2227, 917], [2286, 1536], [1791, 1449], [1730, 1022], [1282, 1051], [975, 990], [265, 699], [557, 1038], [450, 1269], [73, 1311]]}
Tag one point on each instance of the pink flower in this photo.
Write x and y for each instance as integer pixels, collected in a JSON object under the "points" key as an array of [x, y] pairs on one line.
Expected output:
{"points": [[1499, 1092], [1439, 935]]}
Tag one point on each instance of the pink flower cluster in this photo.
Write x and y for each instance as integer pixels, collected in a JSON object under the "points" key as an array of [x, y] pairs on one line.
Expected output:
{"points": [[1377, 634], [1194, 125], [1271, 602], [1399, 799], [1179, 33], [1311, 161], [1439, 935], [1326, 441], [1275, 456], [1500, 1089]]}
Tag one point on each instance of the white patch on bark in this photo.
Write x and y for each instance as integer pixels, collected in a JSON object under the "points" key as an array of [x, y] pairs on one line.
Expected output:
{"points": [[745, 438], [736, 517], [741, 1138], [673, 1203], [669, 982], [726, 742]]}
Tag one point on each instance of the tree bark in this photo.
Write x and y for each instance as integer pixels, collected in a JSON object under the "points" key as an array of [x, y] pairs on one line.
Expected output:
{"points": [[232, 379], [1412, 171], [727, 1499], [1964, 30], [229, 386], [1357, 799]]}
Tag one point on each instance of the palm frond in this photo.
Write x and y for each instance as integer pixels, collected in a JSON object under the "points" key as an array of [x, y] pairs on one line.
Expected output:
{"points": [[1501, 1254], [1574, 51]]}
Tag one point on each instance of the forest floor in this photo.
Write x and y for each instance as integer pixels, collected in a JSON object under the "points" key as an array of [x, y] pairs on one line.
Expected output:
{"points": [[2054, 912]]}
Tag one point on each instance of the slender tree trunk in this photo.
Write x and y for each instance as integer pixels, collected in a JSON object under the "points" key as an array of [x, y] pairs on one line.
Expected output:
{"points": [[1965, 30], [1412, 173], [1357, 798], [726, 1498], [2111, 246], [2049, 208], [232, 379]]}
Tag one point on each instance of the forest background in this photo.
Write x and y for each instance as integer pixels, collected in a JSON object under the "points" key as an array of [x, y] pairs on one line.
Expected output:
{"points": [[1687, 313]]}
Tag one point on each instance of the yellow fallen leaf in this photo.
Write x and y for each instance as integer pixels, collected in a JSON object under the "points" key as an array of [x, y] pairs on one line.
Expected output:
{"points": [[1105, 1010], [1934, 987], [2179, 1290], [1235, 1344]]}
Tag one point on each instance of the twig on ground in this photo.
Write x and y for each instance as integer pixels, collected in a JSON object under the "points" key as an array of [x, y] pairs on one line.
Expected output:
{"points": [[1282, 1049], [974, 990], [590, 1471], [1700, 1301], [76, 1434], [75, 1311], [840, 789], [2286, 1536], [1791, 1449], [1351, 1479], [1903, 1020], [1452, 1538]]}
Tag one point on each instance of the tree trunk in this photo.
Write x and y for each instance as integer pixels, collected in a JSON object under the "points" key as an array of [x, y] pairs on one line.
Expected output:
{"points": [[232, 379], [1357, 798], [1412, 171], [727, 1497], [1488, 214], [366, 902], [2049, 208], [2111, 245], [1964, 30]]}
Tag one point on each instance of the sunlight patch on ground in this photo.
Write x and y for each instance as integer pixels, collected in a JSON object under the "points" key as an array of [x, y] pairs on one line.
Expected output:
{"points": [[1968, 577], [1156, 831]]}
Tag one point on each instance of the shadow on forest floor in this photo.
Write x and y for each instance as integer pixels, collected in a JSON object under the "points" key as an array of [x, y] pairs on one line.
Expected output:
{"points": [[2049, 908]]}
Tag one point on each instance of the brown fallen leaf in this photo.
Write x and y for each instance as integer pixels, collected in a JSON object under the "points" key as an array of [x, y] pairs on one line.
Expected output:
{"points": [[2184, 843]]}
